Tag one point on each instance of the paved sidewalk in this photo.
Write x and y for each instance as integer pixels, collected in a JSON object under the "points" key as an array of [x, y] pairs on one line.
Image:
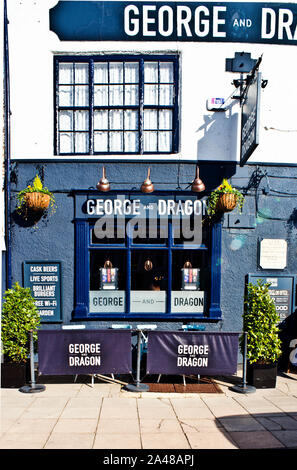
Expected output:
{"points": [[79, 416]]}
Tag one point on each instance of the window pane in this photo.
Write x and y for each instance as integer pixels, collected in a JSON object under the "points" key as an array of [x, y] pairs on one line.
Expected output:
{"points": [[100, 72], [116, 72], [165, 141], [101, 119], [151, 72], [165, 119], [131, 95], [81, 142], [65, 73], [166, 72], [66, 142], [131, 119], [66, 96], [151, 94], [81, 120], [131, 141], [81, 96], [131, 72], [116, 119], [150, 120], [81, 73], [100, 141], [66, 121], [150, 141], [166, 95], [116, 141], [116, 93], [101, 95]]}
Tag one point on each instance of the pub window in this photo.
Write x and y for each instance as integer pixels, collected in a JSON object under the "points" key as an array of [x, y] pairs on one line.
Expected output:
{"points": [[116, 105], [147, 275]]}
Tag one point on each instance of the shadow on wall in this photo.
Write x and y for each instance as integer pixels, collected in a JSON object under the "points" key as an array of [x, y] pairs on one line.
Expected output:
{"points": [[219, 140]]}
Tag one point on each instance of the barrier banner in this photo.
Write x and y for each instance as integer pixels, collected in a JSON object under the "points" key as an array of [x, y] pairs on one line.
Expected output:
{"points": [[84, 352], [192, 353]]}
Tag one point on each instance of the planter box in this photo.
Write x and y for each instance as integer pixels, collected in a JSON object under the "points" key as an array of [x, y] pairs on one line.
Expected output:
{"points": [[262, 375], [14, 374]]}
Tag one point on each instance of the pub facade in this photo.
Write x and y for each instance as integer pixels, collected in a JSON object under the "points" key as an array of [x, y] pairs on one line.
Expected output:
{"points": [[118, 107]]}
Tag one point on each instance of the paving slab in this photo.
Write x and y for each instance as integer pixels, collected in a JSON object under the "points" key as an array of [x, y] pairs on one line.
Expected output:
{"points": [[117, 426], [257, 404], [70, 441], [166, 440], [240, 423], [191, 408], [200, 425], [160, 426], [288, 438], [23, 441], [76, 425], [117, 408], [211, 440], [255, 440], [284, 403], [32, 426], [117, 441], [155, 408]]}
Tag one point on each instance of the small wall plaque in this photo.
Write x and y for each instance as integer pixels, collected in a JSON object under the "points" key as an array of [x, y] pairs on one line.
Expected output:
{"points": [[273, 253]]}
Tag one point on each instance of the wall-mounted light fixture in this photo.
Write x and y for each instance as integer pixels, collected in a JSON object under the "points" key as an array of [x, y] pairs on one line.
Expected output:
{"points": [[103, 184], [147, 186], [197, 186]]}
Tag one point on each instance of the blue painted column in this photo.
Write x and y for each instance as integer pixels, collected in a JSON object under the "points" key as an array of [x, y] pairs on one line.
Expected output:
{"points": [[81, 269], [216, 258]]}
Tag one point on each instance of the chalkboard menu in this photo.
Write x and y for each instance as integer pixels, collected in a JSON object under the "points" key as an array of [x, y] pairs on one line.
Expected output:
{"points": [[281, 290], [44, 280]]}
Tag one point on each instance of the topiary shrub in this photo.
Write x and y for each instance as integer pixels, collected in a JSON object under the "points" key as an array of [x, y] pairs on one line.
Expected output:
{"points": [[260, 321], [19, 316]]}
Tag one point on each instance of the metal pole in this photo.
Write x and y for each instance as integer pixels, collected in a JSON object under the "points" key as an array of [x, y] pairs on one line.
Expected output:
{"points": [[243, 387], [138, 387], [32, 360], [33, 388]]}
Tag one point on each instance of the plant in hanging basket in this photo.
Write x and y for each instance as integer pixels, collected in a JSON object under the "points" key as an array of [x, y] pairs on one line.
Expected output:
{"points": [[36, 198], [224, 199]]}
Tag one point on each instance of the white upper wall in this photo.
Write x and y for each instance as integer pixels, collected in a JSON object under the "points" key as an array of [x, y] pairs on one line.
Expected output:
{"points": [[204, 135]]}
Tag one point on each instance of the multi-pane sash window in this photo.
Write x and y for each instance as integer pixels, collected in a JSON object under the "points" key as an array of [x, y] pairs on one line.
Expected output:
{"points": [[116, 105]]}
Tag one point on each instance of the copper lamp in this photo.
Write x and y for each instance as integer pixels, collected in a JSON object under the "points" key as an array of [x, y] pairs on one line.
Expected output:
{"points": [[103, 184], [147, 186], [197, 186]]}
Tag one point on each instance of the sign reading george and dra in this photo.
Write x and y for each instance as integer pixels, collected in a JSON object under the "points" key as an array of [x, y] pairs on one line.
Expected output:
{"points": [[247, 22], [192, 353], [84, 352]]}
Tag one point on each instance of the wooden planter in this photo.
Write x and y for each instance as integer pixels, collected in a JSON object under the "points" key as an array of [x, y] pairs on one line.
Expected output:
{"points": [[37, 201], [226, 202]]}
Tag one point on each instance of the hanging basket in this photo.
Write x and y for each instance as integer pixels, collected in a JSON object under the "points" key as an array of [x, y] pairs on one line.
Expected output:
{"points": [[37, 201], [226, 202]]}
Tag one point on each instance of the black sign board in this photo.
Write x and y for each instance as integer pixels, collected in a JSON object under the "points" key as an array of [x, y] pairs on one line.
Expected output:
{"points": [[281, 290], [250, 119], [44, 280]]}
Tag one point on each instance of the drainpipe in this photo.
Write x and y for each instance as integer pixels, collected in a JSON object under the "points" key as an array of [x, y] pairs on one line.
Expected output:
{"points": [[7, 150]]}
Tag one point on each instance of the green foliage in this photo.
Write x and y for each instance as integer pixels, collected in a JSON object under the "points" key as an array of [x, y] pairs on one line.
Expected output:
{"points": [[36, 188], [224, 188], [19, 316], [260, 322]]}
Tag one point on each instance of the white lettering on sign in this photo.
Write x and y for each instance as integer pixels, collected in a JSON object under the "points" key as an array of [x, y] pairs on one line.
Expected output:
{"points": [[189, 355], [84, 348], [287, 27], [149, 22]]}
